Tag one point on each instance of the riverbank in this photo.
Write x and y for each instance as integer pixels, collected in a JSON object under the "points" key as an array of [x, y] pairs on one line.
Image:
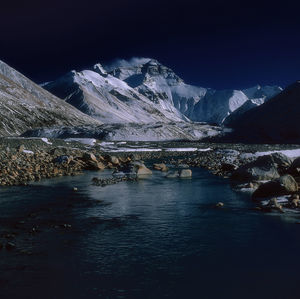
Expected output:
{"points": [[24, 160]]}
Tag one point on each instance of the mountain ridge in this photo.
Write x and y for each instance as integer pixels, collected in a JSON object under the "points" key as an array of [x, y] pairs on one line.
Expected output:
{"points": [[158, 87]]}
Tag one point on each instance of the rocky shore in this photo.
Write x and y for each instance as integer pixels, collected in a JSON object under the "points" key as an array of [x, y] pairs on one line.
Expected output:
{"points": [[267, 175]]}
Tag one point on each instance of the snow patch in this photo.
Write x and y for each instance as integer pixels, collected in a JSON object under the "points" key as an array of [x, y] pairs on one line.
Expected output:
{"points": [[86, 141], [28, 152], [46, 140], [289, 153]]}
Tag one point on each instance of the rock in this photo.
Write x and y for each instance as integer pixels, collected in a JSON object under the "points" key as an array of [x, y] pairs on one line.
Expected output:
{"points": [[263, 168], [160, 166], [89, 157], [20, 148], [282, 162], [295, 203], [282, 186], [295, 167], [172, 174], [143, 170], [185, 173], [219, 205], [294, 196], [114, 160]]}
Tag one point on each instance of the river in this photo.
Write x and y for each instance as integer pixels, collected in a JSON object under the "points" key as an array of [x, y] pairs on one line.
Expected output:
{"points": [[155, 238]]}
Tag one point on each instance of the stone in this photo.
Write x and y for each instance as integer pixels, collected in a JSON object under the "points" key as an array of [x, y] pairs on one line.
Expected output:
{"points": [[185, 173], [143, 170], [282, 162], [295, 203], [89, 157], [114, 160], [160, 166], [263, 168], [20, 148], [295, 167], [282, 186]]}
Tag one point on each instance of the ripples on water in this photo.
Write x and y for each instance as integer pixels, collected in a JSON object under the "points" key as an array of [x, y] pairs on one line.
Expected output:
{"points": [[157, 238]]}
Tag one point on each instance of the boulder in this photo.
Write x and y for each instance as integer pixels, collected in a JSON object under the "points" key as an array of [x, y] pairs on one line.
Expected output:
{"points": [[295, 167], [185, 173], [282, 186], [89, 157], [20, 148], [295, 203], [114, 160], [143, 170], [263, 168], [282, 162], [160, 166]]}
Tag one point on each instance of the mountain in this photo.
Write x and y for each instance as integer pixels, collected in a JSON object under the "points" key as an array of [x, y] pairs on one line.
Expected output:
{"points": [[277, 120], [142, 90], [25, 105], [139, 99], [110, 99]]}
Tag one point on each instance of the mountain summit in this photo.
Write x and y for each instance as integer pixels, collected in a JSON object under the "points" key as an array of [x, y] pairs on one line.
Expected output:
{"points": [[142, 90]]}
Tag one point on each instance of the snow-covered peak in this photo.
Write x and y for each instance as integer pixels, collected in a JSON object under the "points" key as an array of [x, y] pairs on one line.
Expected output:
{"points": [[98, 68], [123, 82], [263, 92]]}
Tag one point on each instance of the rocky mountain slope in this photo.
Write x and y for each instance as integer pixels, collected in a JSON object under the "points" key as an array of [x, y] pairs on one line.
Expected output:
{"points": [[126, 91], [109, 99], [277, 120], [25, 105]]}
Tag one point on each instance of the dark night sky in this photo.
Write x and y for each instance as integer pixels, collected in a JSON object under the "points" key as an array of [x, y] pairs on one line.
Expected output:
{"points": [[219, 44]]}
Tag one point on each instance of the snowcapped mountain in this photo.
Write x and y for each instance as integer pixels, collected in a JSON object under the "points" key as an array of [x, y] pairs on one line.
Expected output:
{"points": [[110, 99], [259, 94], [141, 90], [138, 99], [25, 105]]}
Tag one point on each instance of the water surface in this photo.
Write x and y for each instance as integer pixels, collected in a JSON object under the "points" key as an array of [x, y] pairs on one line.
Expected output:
{"points": [[158, 238]]}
